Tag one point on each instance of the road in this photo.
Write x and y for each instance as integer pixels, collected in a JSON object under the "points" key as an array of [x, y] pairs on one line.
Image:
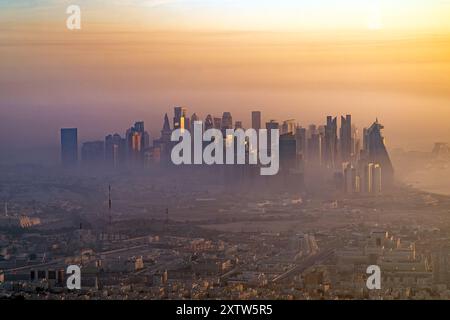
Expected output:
{"points": [[305, 264]]}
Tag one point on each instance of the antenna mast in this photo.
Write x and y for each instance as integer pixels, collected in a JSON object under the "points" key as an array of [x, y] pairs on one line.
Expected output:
{"points": [[109, 204]]}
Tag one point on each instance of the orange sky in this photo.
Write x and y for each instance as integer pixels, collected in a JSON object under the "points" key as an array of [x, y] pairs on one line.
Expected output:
{"points": [[118, 69]]}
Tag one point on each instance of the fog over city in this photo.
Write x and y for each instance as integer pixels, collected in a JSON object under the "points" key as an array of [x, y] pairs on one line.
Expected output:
{"points": [[225, 150]]}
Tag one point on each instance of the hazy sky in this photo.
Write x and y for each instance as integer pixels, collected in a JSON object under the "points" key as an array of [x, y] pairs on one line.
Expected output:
{"points": [[136, 59]]}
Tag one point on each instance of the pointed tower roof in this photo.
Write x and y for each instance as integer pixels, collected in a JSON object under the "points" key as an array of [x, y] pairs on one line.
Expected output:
{"points": [[166, 126]]}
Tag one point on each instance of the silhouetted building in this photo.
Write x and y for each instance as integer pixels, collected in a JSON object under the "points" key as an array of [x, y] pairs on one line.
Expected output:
{"points": [[93, 153], [376, 179], [179, 119], [315, 149], [300, 138], [194, 118], [137, 141], [163, 144], [375, 151], [209, 123], [356, 143], [350, 183], [288, 126], [166, 132], [256, 120], [367, 178], [145, 137], [227, 121], [288, 152], [330, 152], [217, 123], [69, 146], [272, 124], [115, 150], [345, 137]]}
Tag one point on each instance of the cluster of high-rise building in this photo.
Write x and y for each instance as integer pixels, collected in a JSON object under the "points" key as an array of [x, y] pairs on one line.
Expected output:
{"points": [[336, 151]]}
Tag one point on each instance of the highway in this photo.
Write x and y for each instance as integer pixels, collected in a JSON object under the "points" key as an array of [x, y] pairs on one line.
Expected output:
{"points": [[305, 264]]}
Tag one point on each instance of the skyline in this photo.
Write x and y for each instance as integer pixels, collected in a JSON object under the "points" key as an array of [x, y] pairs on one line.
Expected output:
{"points": [[235, 151], [115, 70], [297, 149]]}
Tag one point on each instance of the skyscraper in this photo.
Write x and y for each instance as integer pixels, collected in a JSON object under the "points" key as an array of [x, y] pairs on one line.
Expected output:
{"points": [[350, 184], [288, 152], [194, 118], [209, 124], [162, 146], [288, 126], [345, 137], [300, 138], [145, 137], [315, 149], [137, 141], [93, 153], [139, 126], [115, 151], [256, 120], [375, 151], [69, 146], [272, 124], [227, 121], [179, 119], [376, 179], [166, 131], [330, 152], [217, 123], [367, 178], [356, 143]]}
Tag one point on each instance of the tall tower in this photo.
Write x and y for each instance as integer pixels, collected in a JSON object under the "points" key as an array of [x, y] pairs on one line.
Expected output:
{"points": [[227, 121], [137, 141], [209, 123], [256, 120], [288, 126], [109, 204], [194, 118], [115, 151], [345, 137], [300, 138], [165, 131], [375, 151], [179, 119], [272, 124], [330, 152], [217, 123], [69, 146]]}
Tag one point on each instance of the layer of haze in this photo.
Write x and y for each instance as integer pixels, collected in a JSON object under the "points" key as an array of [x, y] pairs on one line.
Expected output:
{"points": [[136, 60]]}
